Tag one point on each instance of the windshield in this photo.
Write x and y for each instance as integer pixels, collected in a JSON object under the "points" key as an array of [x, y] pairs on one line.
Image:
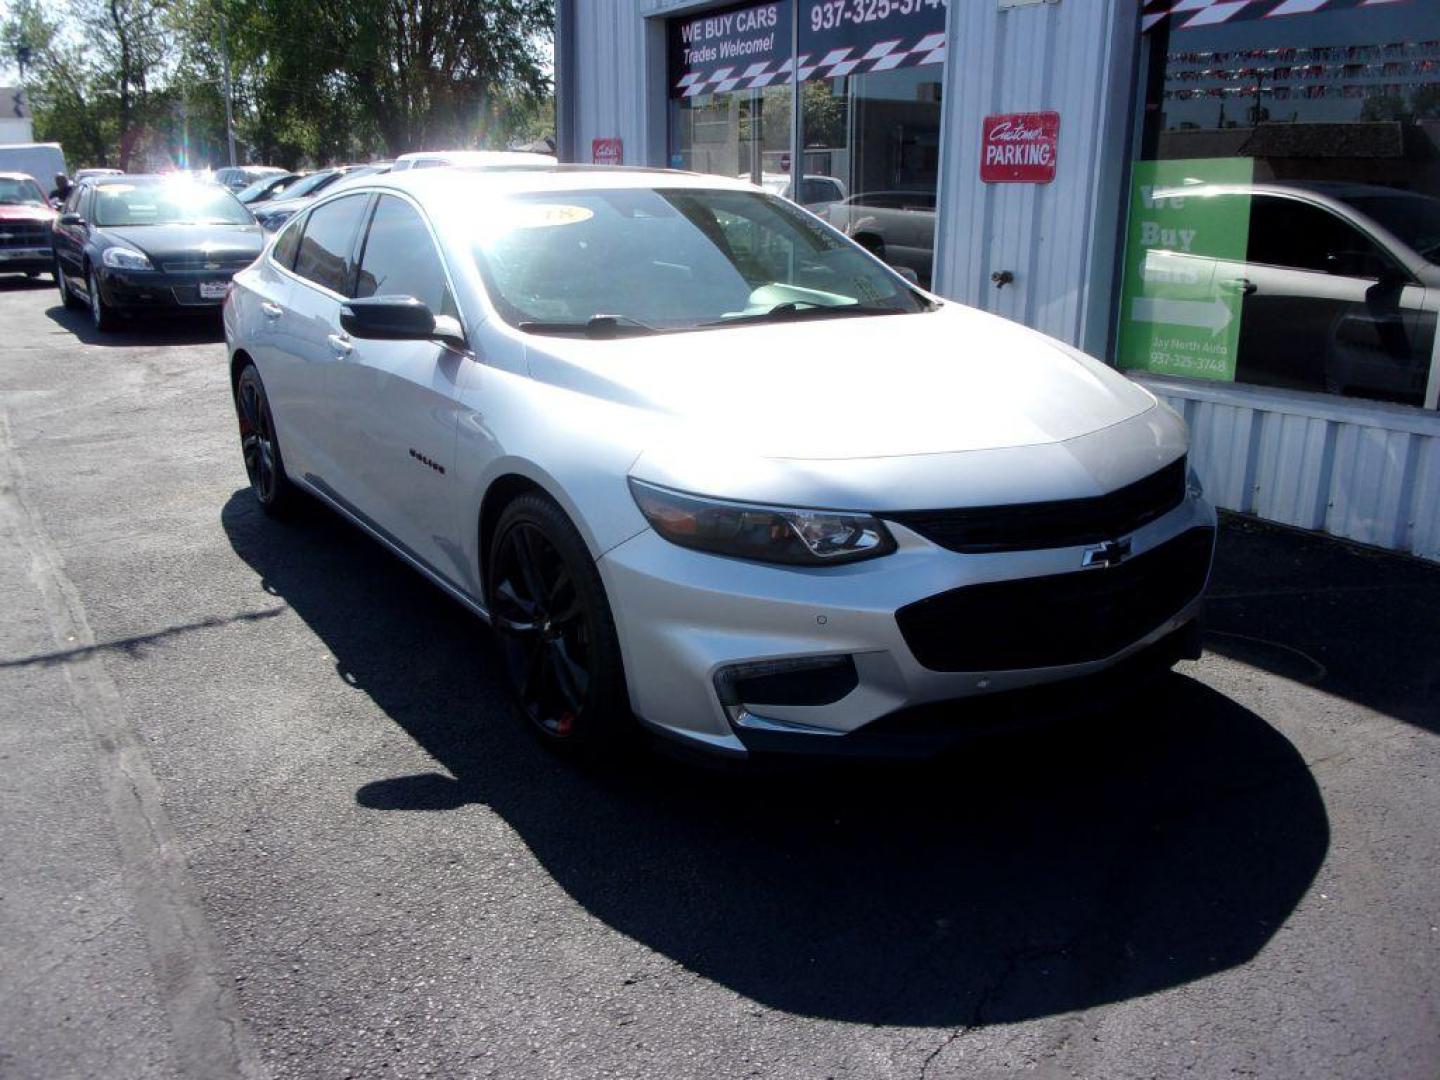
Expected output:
{"points": [[1415, 219], [309, 185], [21, 192], [673, 259], [174, 203], [263, 186]]}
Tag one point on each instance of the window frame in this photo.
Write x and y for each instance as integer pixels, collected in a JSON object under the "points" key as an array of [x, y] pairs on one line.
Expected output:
{"points": [[363, 241], [1401, 270], [351, 257]]}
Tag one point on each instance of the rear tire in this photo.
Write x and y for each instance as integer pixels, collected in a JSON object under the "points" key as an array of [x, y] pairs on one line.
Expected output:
{"points": [[264, 465], [557, 636]]}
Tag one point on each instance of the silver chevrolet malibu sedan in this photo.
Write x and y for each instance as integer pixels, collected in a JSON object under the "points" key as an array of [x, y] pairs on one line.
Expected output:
{"points": [[710, 469]]}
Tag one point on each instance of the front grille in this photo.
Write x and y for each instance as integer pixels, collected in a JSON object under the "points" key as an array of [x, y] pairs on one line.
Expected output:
{"points": [[1059, 619], [1063, 523], [229, 263], [24, 234]]}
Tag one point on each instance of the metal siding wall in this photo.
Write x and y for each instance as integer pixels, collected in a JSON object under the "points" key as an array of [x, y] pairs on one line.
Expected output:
{"points": [[611, 98], [1059, 239], [1374, 478]]}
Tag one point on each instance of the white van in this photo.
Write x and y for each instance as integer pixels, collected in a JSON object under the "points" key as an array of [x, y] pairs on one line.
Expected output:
{"points": [[39, 160]]}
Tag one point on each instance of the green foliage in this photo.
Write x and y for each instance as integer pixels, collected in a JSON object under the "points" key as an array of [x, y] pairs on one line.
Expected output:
{"points": [[140, 83]]}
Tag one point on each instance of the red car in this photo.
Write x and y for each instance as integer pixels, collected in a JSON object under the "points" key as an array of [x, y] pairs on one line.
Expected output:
{"points": [[26, 218]]}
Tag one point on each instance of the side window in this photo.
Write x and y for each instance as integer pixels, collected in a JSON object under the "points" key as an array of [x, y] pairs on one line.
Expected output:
{"points": [[400, 259], [72, 201], [329, 239], [287, 244], [1290, 233]]}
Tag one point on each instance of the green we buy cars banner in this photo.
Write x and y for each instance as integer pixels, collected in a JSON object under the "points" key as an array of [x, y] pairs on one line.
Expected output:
{"points": [[1180, 311]]}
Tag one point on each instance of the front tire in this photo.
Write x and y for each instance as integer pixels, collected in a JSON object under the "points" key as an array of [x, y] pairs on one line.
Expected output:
{"points": [[258, 445], [102, 315], [557, 635], [67, 292]]}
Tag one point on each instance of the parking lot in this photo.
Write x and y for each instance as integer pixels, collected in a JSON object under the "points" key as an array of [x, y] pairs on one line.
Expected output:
{"points": [[266, 814]]}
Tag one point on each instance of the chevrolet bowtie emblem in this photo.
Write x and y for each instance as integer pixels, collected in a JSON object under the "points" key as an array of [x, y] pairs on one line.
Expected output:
{"points": [[1110, 553]]}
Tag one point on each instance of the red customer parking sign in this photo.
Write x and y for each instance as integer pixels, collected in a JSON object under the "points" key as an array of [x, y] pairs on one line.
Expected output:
{"points": [[607, 152], [1019, 148]]}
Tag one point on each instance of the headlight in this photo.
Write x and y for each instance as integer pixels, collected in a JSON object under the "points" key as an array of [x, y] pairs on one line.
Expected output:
{"points": [[121, 258], [765, 533]]}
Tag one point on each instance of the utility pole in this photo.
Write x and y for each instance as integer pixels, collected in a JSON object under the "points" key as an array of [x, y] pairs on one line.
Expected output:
{"points": [[229, 96]]}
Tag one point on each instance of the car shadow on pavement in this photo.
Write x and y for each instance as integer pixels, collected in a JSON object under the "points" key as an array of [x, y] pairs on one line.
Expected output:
{"points": [[1353, 621], [149, 331], [1039, 874]]}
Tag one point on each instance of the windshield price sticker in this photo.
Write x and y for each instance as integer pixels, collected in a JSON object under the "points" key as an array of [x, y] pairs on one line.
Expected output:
{"points": [[1176, 318], [548, 215]]}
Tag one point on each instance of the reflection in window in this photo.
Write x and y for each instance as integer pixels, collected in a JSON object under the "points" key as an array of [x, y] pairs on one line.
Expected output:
{"points": [[1285, 211]]}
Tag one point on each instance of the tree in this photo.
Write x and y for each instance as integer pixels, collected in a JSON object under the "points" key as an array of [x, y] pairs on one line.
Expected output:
{"points": [[67, 91], [417, 75], [129, 41]]}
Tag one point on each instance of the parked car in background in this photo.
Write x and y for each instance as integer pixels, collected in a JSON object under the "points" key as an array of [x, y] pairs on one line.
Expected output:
{"points": [[86, 174], [816, 189], [269, 187], [273, 213], [25, 219], [898, 226], [1339, 285], [488, 159], [238, 177], [150, 245], [701, 460]]}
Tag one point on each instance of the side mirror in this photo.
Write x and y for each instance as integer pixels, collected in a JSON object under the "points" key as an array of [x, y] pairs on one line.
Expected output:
{"points": [[907, 273], [399, 318], [71, 219]]}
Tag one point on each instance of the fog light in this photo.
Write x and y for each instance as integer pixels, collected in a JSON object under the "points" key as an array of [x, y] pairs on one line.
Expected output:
{"points": [[809, 680]]}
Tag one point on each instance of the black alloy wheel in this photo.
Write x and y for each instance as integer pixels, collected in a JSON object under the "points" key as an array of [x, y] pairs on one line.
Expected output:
{"points": [[258, 445], [556, 633]]}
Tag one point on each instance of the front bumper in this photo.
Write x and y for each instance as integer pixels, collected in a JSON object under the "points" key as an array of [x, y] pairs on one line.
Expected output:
{"points": [[685, 617], [140, 290], [26, 260]]}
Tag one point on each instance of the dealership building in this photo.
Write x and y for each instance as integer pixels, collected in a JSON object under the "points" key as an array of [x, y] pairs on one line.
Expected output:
{"points": [[1235, 201]]}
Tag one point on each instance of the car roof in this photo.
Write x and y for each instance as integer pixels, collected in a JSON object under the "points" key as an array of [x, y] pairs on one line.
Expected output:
{"points": [[17, 176], [476, 157], [429, 184]]}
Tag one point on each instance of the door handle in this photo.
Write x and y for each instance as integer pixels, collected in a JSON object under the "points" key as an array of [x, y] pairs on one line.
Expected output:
{"points": [[271, 311], [1243, 286], [341, 345]]}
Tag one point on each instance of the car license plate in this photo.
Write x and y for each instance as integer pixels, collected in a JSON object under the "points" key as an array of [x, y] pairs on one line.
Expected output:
{"points": [[213, 290]]}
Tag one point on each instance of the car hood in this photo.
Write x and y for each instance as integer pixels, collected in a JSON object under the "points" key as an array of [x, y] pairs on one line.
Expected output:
{"points": [[947, 409], [174, 241], [26, 213], [947, 381]]}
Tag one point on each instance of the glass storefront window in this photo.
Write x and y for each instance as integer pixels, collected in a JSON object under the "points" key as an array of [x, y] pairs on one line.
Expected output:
{"points": [[1284, 222], [870, 75]]}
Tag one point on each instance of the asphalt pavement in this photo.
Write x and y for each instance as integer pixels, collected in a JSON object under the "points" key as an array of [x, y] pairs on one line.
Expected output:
{"points": [[265, 812]]}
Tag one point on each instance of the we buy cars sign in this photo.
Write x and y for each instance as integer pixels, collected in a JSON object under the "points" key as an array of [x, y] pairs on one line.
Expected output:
{"points": [[1019, 148]]}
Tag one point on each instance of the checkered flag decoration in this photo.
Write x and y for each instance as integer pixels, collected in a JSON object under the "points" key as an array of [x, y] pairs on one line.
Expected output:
{"points": [[882, 56], [1192, 14]]}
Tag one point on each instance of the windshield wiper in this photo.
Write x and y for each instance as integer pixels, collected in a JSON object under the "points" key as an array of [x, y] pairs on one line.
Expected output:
{"points": [[597, 326], [791, 309]]}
